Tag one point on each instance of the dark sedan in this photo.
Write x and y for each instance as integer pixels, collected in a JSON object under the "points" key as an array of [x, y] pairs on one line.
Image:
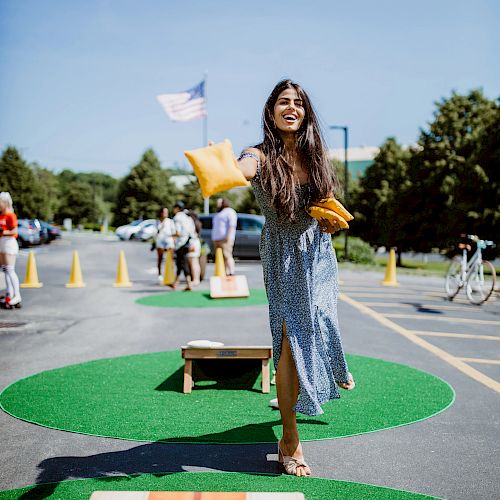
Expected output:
{"points": [[28, 233], [248, 230]]}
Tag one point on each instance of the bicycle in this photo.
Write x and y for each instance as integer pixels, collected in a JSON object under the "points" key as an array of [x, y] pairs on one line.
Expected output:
{"points": [[477, 275]]}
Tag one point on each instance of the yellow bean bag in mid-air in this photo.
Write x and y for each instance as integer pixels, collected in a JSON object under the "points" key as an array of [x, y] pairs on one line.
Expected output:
{"points": [[216, 168]]}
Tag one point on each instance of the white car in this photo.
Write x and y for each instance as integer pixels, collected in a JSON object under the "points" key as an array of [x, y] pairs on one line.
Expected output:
{"points": [[128, 231], [147, 231]]}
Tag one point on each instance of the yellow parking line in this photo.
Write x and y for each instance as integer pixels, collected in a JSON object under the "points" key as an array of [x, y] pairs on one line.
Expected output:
{"points": [[432, 317], [384, 295], [382, 289], [426, 306], [457, 335], [481, 360], [440, 353]]}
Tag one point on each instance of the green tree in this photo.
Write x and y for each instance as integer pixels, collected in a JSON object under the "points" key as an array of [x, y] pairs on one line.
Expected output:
{"points": [[76, 203], [247, 204], [378, 199], [17, 178], [49, 191], [144, 190], [190, 194], [103, 191], [454, 174]]}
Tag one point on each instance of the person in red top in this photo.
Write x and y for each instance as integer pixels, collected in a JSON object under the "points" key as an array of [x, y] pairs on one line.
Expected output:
{"points": [[8, 251]]}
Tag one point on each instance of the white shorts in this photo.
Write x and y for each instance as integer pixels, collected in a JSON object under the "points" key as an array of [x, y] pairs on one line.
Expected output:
{"points": [[165, 243], [194, 248], [8, 244]]}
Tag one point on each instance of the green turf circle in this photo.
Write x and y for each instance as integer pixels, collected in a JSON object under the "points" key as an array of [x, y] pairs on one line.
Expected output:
{"points": [[202, 299], [313, 488], [140, 397]]}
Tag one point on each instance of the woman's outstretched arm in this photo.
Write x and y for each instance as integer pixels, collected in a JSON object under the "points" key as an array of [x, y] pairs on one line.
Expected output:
{"points": [[248, 165]]}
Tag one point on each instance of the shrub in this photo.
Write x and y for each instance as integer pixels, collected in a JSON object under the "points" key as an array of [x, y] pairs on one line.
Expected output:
{"points": [[359, 251]]}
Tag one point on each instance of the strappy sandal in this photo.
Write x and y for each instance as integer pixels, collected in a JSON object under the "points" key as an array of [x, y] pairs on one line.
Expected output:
{"points": [[350, 385], [290, 463]]}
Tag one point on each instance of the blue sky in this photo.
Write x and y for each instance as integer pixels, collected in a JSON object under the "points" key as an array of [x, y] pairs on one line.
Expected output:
{"points": [[79, 78]]}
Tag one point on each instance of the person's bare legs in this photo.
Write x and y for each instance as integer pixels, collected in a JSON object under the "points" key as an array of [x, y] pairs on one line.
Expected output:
{"points": [[159, 251], [194, 265], [229, 261], [287, 388]]}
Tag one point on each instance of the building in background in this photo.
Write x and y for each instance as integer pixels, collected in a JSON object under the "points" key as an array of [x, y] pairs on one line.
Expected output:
{"points": [[359, 158]]}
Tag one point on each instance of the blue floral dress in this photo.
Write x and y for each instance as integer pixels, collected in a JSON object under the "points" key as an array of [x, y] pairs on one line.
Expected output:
{"points": [[300, 276]]}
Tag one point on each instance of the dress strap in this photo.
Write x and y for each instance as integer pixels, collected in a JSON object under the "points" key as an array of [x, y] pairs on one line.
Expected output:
{"points": [[248, 154]]}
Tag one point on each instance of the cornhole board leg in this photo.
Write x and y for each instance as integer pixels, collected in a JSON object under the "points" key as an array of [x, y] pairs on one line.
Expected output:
{"points": [[266, 381], [264, 353], [188, 376]]}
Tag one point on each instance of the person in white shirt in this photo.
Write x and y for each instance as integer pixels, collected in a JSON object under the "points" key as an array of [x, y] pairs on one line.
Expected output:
{"points": [[224, 232], [185, 243], [165, 237]]}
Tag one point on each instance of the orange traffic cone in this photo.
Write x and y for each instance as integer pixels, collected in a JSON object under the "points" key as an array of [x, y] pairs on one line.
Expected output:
{"points": [[122, 279], [75, 278], [31, 278], [169, 273], [390, 271], [220, 268]]}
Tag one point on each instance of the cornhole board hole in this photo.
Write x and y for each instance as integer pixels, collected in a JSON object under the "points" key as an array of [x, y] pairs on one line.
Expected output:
{"points": [[190, 354], [193, 495], [228, 287]]}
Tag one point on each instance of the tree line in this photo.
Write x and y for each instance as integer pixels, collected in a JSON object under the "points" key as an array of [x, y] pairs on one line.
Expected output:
{"points": [[448, 184], [416, 198]]}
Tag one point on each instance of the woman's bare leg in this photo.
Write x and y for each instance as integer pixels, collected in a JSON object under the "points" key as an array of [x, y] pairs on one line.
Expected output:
{"points": [[159, 251], [287, 388], [194, 265]]}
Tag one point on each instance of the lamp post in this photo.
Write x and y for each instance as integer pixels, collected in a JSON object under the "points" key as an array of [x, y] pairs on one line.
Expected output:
{"points": [[346, 175]]}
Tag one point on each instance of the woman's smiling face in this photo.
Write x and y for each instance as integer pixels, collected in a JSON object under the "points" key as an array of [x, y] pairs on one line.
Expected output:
{"points": [[289, 111]]}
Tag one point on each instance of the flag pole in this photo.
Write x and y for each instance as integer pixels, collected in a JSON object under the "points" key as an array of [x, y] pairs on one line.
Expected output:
{"points": [[206, 208]]}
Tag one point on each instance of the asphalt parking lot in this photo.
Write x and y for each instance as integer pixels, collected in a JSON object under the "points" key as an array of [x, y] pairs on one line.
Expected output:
{"points": [[453, 455]]}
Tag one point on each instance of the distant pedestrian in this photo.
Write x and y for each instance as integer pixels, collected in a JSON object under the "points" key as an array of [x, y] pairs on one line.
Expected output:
{"points": [[9, 250], [165, 238], [224, 232], [193, 256], [185, 236]]}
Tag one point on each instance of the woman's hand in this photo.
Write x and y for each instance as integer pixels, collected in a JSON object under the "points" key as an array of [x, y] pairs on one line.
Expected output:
{"points": [[327, 226]]}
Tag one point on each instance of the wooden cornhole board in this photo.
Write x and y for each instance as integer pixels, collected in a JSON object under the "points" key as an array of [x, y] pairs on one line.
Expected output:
{"points": [[227, 352], [229, 287], [193, 495]]}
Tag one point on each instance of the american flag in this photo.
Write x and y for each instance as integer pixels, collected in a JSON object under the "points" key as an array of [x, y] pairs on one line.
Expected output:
{"points": [[185, 106]]}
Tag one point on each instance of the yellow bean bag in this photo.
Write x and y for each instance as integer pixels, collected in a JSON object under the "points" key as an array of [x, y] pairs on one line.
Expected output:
{"points": [[330, 215], [336, 206], [216, 168]]}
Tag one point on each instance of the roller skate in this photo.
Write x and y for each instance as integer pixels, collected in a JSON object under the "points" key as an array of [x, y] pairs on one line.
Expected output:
{"points": [[12, 302]]}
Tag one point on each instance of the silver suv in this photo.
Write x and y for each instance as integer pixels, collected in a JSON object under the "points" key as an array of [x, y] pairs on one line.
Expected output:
{"points": [[248, 230]]}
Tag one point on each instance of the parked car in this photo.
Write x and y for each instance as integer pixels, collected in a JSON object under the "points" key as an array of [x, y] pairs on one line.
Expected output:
{"points": [[53, 232], [248, 231], [148, 230], [128, 231], [27, 233], [44, 232]]}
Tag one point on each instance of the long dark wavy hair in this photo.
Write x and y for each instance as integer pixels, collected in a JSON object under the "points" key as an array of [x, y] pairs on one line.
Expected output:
{"points": [[277, 175]]}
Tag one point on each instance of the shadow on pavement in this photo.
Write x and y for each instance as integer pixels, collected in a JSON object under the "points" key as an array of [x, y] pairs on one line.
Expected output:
{"points": [[159, 459]]}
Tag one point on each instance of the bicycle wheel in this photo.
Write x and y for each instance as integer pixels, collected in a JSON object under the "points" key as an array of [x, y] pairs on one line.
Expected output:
{"points": [[481, 283], [453, 281]]}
